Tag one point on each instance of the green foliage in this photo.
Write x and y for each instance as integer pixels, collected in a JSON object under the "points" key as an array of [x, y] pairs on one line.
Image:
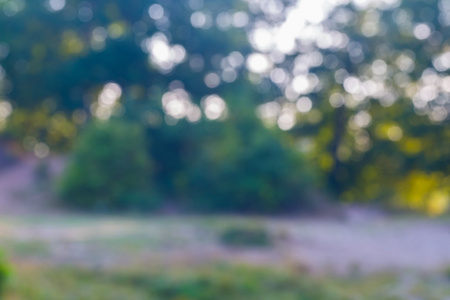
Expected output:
{"points": [[109, 170], [389, 120], [233, 283], [236, 165], [230, 165], [245, 237], [4, 273], [217, 282], [243, 167]]}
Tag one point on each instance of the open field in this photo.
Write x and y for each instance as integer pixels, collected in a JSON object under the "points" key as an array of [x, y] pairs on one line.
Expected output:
{"points": [[219, 281], [100, 257], [317, 245]]}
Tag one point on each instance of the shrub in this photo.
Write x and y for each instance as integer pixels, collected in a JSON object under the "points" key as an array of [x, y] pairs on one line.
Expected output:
{"points": [[247, 168], [110, 169], [245, 237]]}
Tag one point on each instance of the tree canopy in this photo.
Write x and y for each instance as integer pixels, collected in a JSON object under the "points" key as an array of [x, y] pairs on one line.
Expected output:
{"points": [[360, 88]]}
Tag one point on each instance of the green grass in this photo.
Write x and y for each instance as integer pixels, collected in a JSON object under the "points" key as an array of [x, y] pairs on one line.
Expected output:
{"points": [[215, 282], [86, 257]]}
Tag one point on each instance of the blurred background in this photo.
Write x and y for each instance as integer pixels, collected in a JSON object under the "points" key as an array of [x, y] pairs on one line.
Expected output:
{"points": [[312, 134]]}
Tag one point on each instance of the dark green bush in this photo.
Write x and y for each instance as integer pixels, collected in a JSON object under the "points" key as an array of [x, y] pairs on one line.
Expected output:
{"points": [[246, 168], [245, 237], [235, 165], [110, 169]]}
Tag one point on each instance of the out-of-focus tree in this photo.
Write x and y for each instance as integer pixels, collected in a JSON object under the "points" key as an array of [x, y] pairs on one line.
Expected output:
{"points": [[362, 86], [246, 168], [60, 54], [110, 170]]}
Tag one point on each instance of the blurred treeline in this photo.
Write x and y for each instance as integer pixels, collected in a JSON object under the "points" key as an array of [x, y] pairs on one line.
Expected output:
{"points": [[232, 105]]}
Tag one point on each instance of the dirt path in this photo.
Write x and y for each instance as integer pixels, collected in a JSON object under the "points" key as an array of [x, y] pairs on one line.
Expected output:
{"points": [[15, 183], [385, 244], [19, 191]]}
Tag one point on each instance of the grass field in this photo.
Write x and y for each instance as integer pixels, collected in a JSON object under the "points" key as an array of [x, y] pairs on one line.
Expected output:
{"points": [[223, 281], [87, 257]]}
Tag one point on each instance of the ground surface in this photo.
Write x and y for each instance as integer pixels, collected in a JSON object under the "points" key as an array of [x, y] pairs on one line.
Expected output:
{"points": [[21, 192], [321, 246]]}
